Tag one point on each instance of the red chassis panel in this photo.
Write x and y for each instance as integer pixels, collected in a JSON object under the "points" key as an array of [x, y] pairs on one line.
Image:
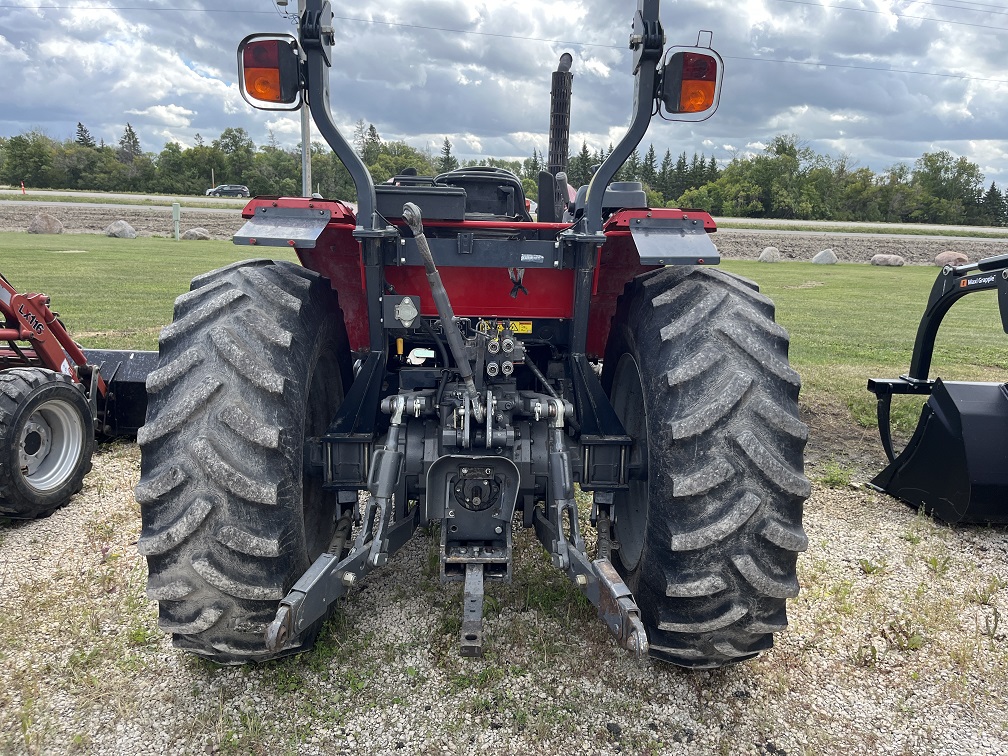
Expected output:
{"points": [[480, 292]]}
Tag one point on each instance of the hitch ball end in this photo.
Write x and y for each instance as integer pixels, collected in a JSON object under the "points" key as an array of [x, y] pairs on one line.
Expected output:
{"points": [[411, 214]]}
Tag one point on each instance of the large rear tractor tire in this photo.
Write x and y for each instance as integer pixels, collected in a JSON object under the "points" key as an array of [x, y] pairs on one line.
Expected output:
{"points": [[710, 529], [254, 364], [46, 441]]}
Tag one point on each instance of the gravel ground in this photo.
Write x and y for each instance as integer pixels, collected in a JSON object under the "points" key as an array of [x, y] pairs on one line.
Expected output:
{"points": [[898, 643], [894, 648]]}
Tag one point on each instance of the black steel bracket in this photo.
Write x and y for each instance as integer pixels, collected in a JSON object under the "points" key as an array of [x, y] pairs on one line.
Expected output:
{"points": [[604, 441], [347, 444]]}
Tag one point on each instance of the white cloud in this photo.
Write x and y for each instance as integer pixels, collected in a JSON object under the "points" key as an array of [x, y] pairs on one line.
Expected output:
{"points": [[10, 54], [169, 115], [173, 72]]}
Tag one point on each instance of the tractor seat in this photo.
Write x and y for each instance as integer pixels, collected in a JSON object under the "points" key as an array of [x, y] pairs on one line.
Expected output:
{"points": [[491, 193]]}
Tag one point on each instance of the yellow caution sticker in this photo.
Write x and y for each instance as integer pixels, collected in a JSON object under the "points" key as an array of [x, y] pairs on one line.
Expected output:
{"points": [[516, 326]]}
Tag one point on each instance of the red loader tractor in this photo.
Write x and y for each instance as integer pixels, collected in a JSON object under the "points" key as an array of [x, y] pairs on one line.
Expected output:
{"points": [[53, 399]]}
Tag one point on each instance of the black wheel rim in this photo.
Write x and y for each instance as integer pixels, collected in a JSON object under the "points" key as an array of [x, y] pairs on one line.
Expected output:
{"points": [[631, 507]]}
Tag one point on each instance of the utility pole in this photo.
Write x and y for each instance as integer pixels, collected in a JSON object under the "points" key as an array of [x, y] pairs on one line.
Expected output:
{"points": [[306, 182]]}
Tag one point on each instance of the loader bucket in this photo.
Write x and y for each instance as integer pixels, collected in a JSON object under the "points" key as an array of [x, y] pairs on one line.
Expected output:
{"points": [[956, 464], [124, 410]]}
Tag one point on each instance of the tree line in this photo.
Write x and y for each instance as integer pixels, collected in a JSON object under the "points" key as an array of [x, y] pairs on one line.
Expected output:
{"points": [[786, 180]]}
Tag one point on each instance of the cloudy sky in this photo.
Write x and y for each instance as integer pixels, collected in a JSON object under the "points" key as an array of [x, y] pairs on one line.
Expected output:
{"points": [[882, 81]]}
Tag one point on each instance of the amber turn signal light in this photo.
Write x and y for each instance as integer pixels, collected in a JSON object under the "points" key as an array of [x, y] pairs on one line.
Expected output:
{"points": [[269, 72], [691, 83]]}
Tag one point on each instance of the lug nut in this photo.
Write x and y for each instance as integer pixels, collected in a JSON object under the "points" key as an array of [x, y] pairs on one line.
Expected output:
{"points": [[493, 368], [507, 367]]}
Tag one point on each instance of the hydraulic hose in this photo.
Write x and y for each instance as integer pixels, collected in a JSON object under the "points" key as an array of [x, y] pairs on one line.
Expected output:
{"points": [[411, 214]]}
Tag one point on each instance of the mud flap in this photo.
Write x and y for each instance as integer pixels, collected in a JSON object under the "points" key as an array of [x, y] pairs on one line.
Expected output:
{"points": [[956, 464]]}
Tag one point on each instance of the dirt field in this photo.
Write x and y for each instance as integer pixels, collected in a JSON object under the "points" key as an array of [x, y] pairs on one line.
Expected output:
{"points": [[898, 643]]}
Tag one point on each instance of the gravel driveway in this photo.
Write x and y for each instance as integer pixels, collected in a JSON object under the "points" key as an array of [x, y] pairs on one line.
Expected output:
{"points": [[898, 644]]}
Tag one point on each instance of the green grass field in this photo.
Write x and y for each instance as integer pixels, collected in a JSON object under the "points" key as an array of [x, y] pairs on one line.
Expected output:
{"points": [[847, 322], [114, 293]]}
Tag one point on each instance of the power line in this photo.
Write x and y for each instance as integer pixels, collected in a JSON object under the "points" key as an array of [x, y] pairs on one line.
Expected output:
{"points": [[897, 15], [981, 7], [855, 67]]}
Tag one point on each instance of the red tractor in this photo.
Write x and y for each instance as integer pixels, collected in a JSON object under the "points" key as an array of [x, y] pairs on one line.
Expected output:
{"points": [[53, 400], [440, 358]]}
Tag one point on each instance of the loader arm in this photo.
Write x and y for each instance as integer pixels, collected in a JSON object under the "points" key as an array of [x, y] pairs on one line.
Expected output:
{"points": [[29, 319]]}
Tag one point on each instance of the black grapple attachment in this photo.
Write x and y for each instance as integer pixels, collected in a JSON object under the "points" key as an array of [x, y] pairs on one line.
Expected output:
{"points": [[955, 465]]}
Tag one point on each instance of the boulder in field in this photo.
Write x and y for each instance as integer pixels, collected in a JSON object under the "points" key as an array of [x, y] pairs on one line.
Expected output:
{"points": [[770, 255], [43, 223], [825, 257], [196, 234], [891, 261], [120, 229], [950, 258]]}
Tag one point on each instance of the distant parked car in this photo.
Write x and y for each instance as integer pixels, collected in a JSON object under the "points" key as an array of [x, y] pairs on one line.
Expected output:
{"points": [[228, 190]]}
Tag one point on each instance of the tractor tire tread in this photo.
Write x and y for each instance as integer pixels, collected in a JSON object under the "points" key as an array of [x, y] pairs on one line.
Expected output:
{"points": [[221, 468], [724, 522]]}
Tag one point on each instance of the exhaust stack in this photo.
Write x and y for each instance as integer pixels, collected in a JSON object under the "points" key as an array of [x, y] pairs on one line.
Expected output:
{"points": [[560, 102]]}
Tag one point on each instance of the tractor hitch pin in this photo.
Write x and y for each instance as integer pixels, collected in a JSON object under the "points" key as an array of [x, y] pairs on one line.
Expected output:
{"points": [[411, 214]]}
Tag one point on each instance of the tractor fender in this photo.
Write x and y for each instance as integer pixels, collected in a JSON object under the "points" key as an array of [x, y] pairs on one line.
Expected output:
{"points": [[667, 236]]}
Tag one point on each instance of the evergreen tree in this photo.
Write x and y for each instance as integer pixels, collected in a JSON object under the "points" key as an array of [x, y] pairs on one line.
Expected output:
{"points": [[579, 167], [995, 207], [448, 161], [531, 166], [84, 138], [649, 168], [620, 174], [372, 145], [129, 146], [712, 171], [680, 177], [633, 167], [359, 134], [697, 175], [665, 176]]}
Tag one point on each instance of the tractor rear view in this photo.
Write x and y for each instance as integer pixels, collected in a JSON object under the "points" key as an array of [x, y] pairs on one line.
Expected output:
{"points": [[434, 361]]}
